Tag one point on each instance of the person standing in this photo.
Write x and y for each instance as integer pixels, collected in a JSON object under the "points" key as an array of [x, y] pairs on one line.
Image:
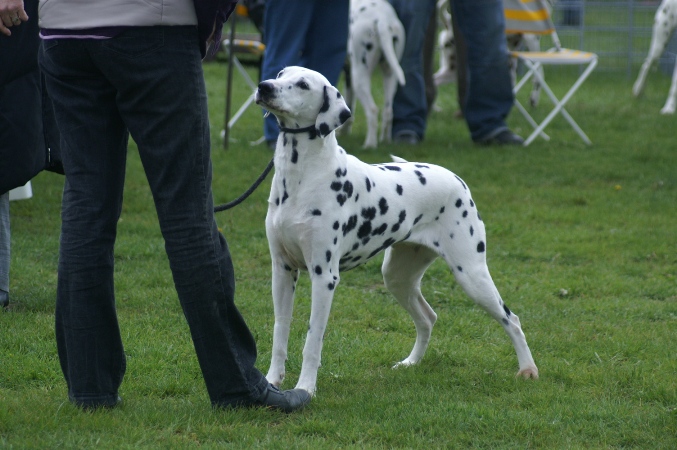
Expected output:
{"points": [[307, 33], [127, 67]]}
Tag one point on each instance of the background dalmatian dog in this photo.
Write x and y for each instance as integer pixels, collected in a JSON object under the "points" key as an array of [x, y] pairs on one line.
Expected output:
{"points": [[664, 24], [330, 212], [447, 53], [376, 38]]}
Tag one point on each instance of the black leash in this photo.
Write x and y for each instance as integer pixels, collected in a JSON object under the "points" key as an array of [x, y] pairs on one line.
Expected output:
{"points": [[249, 191], [310, 130]]}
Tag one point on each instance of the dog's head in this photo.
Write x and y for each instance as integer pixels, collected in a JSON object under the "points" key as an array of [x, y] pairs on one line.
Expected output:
{"points": [[301, 98]]}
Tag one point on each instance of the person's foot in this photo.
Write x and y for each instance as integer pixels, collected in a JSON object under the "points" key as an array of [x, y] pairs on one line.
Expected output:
{"points": [[91, 406], [408, 137], [4, 299], [505, 137], [287, 401]]}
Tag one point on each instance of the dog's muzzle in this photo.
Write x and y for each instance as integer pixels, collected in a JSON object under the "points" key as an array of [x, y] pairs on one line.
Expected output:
{"points": [[265, 93]]}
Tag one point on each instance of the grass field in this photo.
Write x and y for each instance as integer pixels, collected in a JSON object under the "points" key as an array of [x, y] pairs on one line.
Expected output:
{"points": [[582, 245]]}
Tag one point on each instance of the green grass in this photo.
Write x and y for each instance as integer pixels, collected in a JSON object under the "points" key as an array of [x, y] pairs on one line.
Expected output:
{"points": [[582, 245]]}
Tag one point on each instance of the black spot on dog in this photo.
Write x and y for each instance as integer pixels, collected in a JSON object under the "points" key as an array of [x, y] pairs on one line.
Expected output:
{"points": [[472, 231], [336, 186], [399, 189], [350, 225], [417, 219], [394, 168], [442, 210], [341, 199], [507, 310], [420, 176], [368, 184], [348, 188], [294, 156], [324, 129], [356, 245], [318, 270], [316, 212], [459, 202], [369, 213], [285, 196], [472, 204], [383, 206], [336, 225], [459, 268], [331, 286], [436, 244], [480, 247], [328, 255], [287, 268], [380, 230], [465, 214], [364, 230], [421, 166]]}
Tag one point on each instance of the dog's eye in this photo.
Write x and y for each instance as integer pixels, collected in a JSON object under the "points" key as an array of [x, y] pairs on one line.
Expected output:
{"points": [[303, 85], [279, 74]]}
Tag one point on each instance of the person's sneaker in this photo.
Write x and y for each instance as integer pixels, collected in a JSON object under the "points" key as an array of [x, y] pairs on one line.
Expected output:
{"points": [[4, 299], [406, 137], [287, 401], [505, 137]]}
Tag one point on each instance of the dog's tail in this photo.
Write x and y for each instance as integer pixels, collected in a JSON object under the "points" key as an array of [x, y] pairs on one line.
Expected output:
{"points": [[386, 38]]}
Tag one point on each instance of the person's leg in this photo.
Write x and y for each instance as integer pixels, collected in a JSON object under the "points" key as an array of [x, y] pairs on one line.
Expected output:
{"points": [[94, 149], [489, 95], [327, 39], [4, 249], [409, 106], [162, 99], [285, 26], [429, 47]]}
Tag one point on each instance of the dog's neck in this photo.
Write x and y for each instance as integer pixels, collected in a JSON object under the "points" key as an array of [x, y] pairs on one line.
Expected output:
{"points": [[311, 130]]}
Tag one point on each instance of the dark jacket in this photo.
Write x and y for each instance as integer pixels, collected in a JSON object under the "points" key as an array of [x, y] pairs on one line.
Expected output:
{"points": [[29, 140]]}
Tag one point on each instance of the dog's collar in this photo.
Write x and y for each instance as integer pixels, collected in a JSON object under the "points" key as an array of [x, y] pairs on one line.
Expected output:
{"points": [[311, 130]]}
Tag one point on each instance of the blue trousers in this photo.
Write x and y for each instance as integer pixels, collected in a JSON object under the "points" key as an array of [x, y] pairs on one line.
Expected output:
{"points": [[489, 95], [410, 108], [4, 242], [307, 33], [147, 82]]}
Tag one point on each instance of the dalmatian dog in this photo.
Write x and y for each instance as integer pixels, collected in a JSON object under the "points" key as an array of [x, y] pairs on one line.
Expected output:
{"points": [[665, 22], [376, 38], [447, 53], [329, 212]]}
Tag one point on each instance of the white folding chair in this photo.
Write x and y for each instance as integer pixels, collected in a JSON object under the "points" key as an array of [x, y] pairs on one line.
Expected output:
{"points": [[533, 16], [244, 44]]}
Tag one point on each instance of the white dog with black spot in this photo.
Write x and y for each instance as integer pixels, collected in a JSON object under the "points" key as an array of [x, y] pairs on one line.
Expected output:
{"points": [[665, 22], [329, 212], [376, 39]]}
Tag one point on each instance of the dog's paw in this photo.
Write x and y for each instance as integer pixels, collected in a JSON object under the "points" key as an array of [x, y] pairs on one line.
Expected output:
{"points": [[406, 363], [528, 373], [668, 109]]}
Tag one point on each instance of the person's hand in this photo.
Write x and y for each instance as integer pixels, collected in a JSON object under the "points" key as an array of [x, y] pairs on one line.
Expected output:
{"points": [[12, 13]]}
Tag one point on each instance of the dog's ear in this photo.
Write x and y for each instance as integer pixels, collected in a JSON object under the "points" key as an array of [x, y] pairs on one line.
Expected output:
{"points": [[334, 112]]}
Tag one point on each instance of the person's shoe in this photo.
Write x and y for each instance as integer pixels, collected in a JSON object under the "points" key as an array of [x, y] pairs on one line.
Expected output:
{"points": [[271, 143], [287, 401], [505, 137], [4, 299], [92, 406], [406, 137]]}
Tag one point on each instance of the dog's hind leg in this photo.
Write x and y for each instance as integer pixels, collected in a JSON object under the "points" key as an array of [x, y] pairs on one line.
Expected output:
{"points": [[389, 89], [403, 267], [469, 267], [362, 87], [659, 39], [284, 285], [671, 102]]}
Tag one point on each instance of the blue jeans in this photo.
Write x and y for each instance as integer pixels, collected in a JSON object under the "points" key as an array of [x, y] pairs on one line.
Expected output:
{"points": [[147, 82], [4, 242], [410, 108], [489, 95], [311, 34]]}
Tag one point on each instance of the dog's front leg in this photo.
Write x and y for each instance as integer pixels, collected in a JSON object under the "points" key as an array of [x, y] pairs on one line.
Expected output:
{"points": [[323, 286], [671, 102], [284, 285]]}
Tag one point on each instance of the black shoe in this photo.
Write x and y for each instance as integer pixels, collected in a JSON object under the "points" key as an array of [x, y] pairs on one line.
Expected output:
{"points": [[287, 401], [406, 137], [4, 299], [92, 406], [505, 137]]}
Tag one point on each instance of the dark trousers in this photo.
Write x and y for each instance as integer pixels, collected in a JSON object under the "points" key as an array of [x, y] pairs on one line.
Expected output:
{"points": [[147, 82]]}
